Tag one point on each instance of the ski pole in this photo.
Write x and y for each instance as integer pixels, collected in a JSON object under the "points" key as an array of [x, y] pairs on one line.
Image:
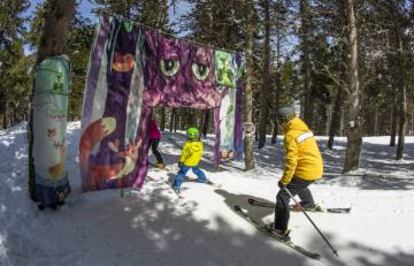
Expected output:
{"points": [[307, 216]]}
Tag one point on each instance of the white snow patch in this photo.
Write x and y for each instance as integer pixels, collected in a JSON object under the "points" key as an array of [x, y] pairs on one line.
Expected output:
{"points": [[153, 227]]}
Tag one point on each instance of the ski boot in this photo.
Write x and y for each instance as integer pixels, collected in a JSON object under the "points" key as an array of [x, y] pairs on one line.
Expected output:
{"points": [[204, 181], [283, 235], [298, 208], [160, 166], [177, 190]]}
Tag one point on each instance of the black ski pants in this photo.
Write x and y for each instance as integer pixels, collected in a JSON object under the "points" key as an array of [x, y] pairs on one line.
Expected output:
{"points": [[154, 143], [298, 187]]}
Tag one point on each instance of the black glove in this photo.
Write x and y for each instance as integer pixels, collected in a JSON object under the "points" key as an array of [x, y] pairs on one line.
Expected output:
{"points": [[180, 164], [281, 185]]}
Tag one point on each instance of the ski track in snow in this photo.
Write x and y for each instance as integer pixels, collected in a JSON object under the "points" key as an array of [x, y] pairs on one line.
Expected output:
{"points": [[153, 227]]}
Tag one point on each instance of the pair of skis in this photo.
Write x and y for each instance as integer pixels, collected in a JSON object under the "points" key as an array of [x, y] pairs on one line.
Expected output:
{"points": [[209, 182], [266, 204], [265, 229], [187, 179]]}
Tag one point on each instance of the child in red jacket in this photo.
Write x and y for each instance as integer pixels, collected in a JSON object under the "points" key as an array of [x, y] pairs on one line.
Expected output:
{"points": [[154, 141]]}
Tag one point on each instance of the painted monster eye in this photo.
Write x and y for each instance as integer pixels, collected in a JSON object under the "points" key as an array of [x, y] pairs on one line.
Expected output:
{"points": [[200, 71], [169, 67]]}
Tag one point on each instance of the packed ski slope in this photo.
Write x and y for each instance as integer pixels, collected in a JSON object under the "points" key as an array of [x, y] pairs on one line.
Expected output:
{"points": [[153, 227]]}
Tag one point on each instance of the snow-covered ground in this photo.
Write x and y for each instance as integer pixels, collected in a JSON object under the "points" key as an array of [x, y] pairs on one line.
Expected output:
{"points": [[153, 227]]}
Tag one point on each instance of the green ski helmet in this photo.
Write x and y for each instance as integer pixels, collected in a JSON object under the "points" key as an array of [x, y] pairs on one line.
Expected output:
{"points": [[192, 133]]}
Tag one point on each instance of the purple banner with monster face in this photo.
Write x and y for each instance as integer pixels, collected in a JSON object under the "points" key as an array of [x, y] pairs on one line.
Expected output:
{"points": [[132, 70], [179, 74]]}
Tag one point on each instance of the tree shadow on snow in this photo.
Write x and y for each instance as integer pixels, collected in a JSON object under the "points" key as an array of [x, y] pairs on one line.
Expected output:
{"points": [[353, 253], [256, 212], [350, 253], [149, 228]]}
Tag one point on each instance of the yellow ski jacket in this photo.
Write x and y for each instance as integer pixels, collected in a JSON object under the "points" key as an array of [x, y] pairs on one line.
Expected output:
{"points": [[302, 156], [191, 153]]}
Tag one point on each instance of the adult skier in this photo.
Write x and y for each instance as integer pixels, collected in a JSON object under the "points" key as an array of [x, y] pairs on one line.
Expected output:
{"points": [[303, 165]]}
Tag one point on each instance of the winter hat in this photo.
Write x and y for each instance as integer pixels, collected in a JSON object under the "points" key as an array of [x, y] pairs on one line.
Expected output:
{"points": [[286, 113]]}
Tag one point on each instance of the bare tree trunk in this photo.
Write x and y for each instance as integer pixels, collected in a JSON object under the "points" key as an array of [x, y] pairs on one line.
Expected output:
{"points": [[402, 124], [206, 122], [177, 121], [53, 42], [336, 118], [320, 125], [192, 118], [328, 120], [256, 136], [5, 125], [381, 123], [393, 122], [162, 122], [275, 119], [56, 30], [342, 125], [376, 122], [248, 112], [199, 115], [402, 97], [278, 84], [265, 95], [172, 118], [305, 47], [15, 115], [353, 123]]}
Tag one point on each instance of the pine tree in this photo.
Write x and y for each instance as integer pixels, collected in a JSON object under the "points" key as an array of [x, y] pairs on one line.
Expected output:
{"points": [[305, 34], [248, 140], [352, 104], [14, 64], [265, 92]]}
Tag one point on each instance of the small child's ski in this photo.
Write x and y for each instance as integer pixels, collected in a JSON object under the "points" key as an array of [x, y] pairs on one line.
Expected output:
{"points": [[177, 193], [266, 204], [262, 228], [209, 182]]}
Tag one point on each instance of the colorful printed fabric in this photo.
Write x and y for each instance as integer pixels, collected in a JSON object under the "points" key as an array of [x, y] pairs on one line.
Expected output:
{"points": [[179, 74], [228, 115], [109, 146], [131, 71], [226, 68], [50, 108]]}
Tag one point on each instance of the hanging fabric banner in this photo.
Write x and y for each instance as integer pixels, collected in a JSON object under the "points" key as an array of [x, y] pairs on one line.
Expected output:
{"points": [[228, 120], [132, 70], [109, 147]]}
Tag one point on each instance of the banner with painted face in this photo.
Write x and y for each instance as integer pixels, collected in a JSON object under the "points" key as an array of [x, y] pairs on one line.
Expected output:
{"points": [[133, 69]]}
